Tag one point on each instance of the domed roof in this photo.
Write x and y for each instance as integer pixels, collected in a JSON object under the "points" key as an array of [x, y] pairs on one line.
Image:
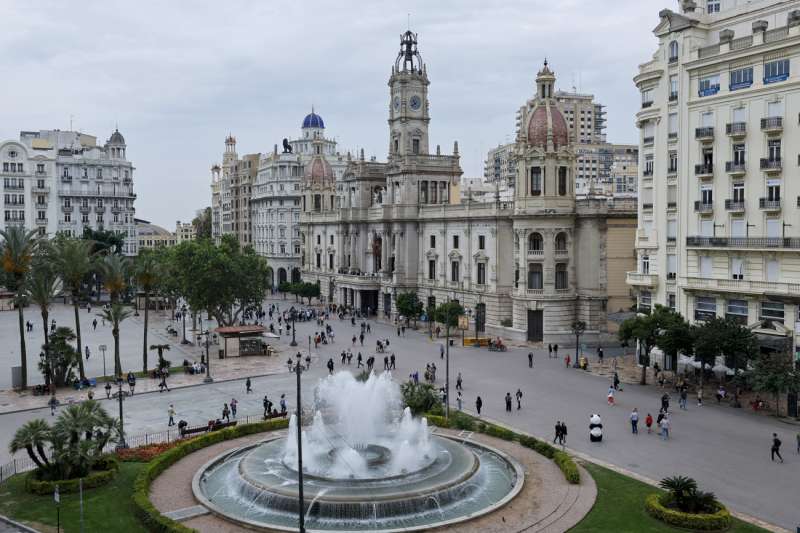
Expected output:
{"points": [[547, 119], [313, 120], [116, 138], [318, 170]]}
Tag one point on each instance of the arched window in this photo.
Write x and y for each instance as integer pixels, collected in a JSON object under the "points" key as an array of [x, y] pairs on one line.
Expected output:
{"points": [[535, 243], [673, 51], [535, 276], [561, 242]]}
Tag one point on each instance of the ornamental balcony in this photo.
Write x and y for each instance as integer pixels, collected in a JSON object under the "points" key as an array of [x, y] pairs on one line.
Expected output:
{"points": [[44, 189], [637, 279], [41, 221], [741, 286], [750, 243], [772, 124], [734, 206], [702, 207], [705, 133], [704, 170], [85, 209], [769, 204], [735, 168], [66, 208], [736, 129], [771, 165]]}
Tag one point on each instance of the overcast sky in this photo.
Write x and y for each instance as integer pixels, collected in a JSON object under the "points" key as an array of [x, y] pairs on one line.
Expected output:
{"points": [[178, 76]]}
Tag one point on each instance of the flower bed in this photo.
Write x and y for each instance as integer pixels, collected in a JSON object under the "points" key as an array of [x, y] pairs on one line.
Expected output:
{"points": [[146, 453], [149, 516], [656, 506], [102, 472]]}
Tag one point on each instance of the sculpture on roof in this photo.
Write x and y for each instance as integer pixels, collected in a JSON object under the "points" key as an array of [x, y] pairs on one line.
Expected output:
{"points": [[287, 148]]}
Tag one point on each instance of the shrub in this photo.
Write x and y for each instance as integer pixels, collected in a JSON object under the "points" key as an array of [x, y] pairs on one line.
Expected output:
{"points": [[104, 470], [568, 467], [150, 517], [438, 421], [420, 397], [684, 494], [463, 421], [719, 519], [146, 453]]}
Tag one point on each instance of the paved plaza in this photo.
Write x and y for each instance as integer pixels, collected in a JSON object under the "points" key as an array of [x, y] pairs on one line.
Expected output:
{"points": [[725, 449]]}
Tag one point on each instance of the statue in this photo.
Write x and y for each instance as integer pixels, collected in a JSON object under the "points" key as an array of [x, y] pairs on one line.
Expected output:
{"points": [[287, 148]]}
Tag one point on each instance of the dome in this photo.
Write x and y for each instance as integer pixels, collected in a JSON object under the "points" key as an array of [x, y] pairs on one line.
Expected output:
{"points": [[313, 120], [116, 138], [547, 119], [317, 170]]}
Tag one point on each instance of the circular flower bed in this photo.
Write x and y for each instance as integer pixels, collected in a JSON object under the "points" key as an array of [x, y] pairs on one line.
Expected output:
{"points": [[657, 506], [102, 472]]}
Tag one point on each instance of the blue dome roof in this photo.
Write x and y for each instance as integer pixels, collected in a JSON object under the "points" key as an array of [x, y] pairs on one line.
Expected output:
{"points": [[313, 120]]}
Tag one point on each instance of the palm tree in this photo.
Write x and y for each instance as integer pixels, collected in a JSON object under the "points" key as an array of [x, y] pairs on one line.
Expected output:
{"points": [[113, 269], [72, 259], [146, 272], [115, 314], [33, 434], [17, 250], [42, 288], [78, 437], [160, 348]]}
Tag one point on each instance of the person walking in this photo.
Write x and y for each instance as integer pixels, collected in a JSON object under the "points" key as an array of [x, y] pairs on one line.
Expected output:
{"points": [[700, 397], [226, 413], [600, 354], [392, 362], [635, 421], [557, 436], [459, 382], [87, 352], [518, 395], [330, 365], [359, 360], [267, 407], [478, 405], [131, 382], [283, 403], [610, 396], [508, 402], [459, 400], [94, 324], [550, 353], [386, 362], [530, 359], [616, 381], [441, 351], [563, 437], [108, 389], [776, 447], [798, 442], [53, 403], [648, 421], [684, 395], [665, 426], [248, 386], [171, 414], [555, 351], [567, 360], [234, 404]]}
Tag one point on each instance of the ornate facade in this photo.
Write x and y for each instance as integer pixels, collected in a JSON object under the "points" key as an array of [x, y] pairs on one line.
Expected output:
{"points": [[387, 228]]}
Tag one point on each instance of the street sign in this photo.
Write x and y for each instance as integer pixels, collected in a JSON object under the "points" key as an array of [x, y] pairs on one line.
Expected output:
{"points": [[102, 347], [463, 322]]}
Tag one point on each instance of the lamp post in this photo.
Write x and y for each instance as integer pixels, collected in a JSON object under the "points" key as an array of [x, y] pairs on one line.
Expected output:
{"points": [[208, 378], [294, 328], [578, 327], [183, 317], [122, 444], [102, 349], [298, 369]]}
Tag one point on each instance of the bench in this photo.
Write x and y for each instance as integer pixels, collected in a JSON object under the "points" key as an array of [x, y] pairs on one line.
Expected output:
{"points": [[204, 429], [276, 415]]}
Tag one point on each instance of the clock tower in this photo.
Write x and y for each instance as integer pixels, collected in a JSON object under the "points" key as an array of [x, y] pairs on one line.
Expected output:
{"points": [[408, 101]]}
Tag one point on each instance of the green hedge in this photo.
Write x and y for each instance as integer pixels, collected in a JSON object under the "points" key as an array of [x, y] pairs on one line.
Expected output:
{"points": [[150, 517], [719, 520], [461, 420], [102, 472]]}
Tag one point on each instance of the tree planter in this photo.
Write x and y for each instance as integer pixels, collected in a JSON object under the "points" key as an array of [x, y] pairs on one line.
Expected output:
{"points": [[105, 470], [716, 521]]}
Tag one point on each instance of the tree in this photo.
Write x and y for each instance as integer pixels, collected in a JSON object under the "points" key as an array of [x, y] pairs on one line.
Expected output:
{"points": [[285, 287], [104, 241], [73, 262], [202, 224], [32, 437], [41, 288], [146, 272], [62, 358], [648, 330], [116, 314], [677, 337], [17, 249], [113, 270], [448, 314], [739, 346], [78, 437], [776, 374], [408, 305], [419, 397], [307, 290], [162, 363]]}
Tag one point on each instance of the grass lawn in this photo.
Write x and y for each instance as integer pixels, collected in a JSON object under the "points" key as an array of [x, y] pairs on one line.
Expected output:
{"points": [[106, 508], [620, 507]]}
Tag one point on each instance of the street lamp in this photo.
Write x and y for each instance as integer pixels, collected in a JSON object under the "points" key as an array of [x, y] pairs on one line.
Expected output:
{"points": [[298, 369], [102, 349], [208, 378], [294, 328], [183, 316], [122, 444], [578, 327]]}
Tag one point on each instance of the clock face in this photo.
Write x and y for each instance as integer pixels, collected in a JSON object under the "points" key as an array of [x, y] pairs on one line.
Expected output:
{"points": [[415, 102], [396, 103]]}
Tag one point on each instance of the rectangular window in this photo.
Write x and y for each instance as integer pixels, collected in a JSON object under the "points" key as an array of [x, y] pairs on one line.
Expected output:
{"points": [[536, 181], [562, 181], [739, 114], [712, 6], [738, 227], [330, 261], [455, 241], [705, 308], [738, 154], [647, 97], [775, 71], [773, 190], [706, 195], [673, 162], [772, 311], [775, 109], [673, 123], [737, 311], [774, 228], [415, 146], [705, 266], [673, 87], [672, 266], [645, 301], [454, 271], [562, 279], [708, 85], [433, 241], [481, 242], [671, 300], [737, 268], [741, 78], [738, 192], [672, 230], [319, 260], [481, 273], [773, 270], [431, 269]]}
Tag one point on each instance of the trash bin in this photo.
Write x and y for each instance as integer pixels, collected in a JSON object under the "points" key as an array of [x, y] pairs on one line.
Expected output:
{"points": [[451, 342], [222, 354]]}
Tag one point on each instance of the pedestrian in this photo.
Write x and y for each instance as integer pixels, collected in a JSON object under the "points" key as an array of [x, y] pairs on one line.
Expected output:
{"points": [[700, 397], [567, 360], [459, 382], [163, 384], [776, 447], [226, 413], [508, 402], [108, 389], [234, 404], [459, 400], [600, 353], [550, 353], [330, 365], [283, 403], [131, 382], [610, 396], [478, 405], [248, 386], [94, 324], [87, 353], [392, 362], [398, 331], [683, 397], [386, 362], [530, 359], [267, 407], [665, 402], [441, 351], [665, 425], [648, 421], [171, 413], [563, 436], [518, 395], [635, 421], [616, 381], [361, 338], [53, 403], [557, 436], [555, 351], [308, 362], [798, 442], [359, 361]]}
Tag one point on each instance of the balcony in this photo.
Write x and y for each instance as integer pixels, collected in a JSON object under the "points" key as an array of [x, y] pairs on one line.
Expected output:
{"points": [[535, 253], [116, 209], [741, 286], [704, 170], [647, 206], [752, 243], [772, 124], [771, 166], [704, 134], [647, 173], [645, 105], [99, 209], [702, 207], [638, 279], [41, 221], [66, 208], [734, 206], [85, 209], [735, 168], [673, 136], [15, 222], [648, 141], [673, 97], [44, 189], [534, 292], [768, 204], [736, 129], [66, 179]]}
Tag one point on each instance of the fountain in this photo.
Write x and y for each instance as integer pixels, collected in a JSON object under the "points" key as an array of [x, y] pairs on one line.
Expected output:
{"points": [[367, 465]]}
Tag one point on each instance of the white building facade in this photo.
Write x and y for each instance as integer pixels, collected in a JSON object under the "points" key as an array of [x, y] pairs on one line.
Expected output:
{"points": [[719, 198]]}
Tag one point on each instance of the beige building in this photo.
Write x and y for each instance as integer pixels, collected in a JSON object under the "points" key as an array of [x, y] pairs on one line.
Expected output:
{"points": [[525, 268], [151, 236], [185, 231], [719, 198], [231, 188]]}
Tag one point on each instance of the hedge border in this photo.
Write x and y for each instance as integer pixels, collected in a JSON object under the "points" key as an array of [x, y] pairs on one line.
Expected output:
{"points": [[717, 521], [96, 478], [145, 511], [464, 421]]}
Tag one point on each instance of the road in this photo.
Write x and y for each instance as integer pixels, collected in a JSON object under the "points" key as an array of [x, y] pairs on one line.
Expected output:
{"points": [[726, 450]]}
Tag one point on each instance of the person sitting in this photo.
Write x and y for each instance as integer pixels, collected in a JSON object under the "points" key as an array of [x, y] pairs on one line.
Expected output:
{"points": [[721, 394]]}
